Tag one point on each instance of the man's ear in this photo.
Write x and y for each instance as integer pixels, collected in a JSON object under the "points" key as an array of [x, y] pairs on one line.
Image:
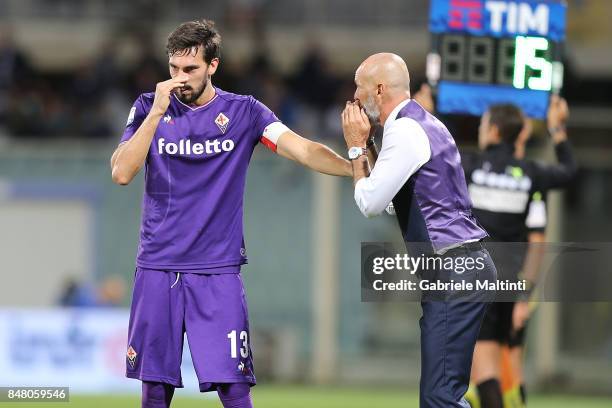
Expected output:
{"points": [[494, 133], [379, 89], [212, 67]]}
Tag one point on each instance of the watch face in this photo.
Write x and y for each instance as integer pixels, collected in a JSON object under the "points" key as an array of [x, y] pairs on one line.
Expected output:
{"points": [[354, 152]]}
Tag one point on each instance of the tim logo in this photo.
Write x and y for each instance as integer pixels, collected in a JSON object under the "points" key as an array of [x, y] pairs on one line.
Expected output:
{"points": [[499, 16], [465, 13]]}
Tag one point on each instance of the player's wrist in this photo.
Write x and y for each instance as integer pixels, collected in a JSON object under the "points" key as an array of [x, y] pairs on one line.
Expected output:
{"points": [[558, 133], [356, 143], [156, 113], [556, 128]]}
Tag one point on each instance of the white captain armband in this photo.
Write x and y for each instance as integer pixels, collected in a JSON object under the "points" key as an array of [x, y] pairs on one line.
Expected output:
{"points": [[271, 134]]}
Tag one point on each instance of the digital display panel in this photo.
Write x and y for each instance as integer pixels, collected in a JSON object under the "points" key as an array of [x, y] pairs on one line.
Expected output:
{"points": [[486, 52]]}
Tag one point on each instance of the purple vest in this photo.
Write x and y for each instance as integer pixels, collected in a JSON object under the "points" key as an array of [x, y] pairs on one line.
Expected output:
{"points": [[433, 207]]}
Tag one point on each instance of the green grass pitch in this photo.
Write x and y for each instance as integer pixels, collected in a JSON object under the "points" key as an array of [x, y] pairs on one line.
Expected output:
{"points": [[308, 397]]}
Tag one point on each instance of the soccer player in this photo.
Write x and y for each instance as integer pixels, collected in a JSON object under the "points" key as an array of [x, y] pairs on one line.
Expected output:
{"points": [[195, 142], [419, 171]]}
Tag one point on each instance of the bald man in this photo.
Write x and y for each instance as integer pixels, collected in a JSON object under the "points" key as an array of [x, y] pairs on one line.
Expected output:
{"points": [[418, 171]]}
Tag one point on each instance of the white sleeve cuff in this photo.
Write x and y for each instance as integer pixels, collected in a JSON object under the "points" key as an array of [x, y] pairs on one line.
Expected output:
{"points": [[363, 198]]}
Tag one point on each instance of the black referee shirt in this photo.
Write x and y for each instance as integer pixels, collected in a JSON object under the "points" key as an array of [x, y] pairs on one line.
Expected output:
{"points": [[502, 187]]}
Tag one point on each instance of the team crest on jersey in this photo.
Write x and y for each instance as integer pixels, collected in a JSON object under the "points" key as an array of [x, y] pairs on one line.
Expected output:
{"points": [[222, 121], [131, 356], [168, 119]]}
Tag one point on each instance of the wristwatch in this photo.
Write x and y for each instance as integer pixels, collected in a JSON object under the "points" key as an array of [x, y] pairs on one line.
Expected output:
{"points": [[556, 129], [354, 152]]}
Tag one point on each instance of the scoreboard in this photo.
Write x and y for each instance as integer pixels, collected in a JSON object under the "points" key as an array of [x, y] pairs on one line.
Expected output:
{"points": [[485, 52]]}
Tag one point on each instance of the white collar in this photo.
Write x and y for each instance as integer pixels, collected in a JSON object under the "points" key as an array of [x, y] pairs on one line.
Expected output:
{"points": [[395, 111]]}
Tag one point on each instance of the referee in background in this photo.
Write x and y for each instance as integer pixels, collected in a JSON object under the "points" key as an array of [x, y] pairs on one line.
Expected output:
{"points": [[419, 170], [506, 221]]}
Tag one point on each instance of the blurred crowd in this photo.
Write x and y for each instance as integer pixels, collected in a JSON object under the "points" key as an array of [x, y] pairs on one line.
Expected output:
{"points": [[111, 291], [92, 100], [39, 104]]}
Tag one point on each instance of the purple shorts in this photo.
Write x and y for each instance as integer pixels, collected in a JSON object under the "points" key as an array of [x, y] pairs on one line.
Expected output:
{"points": [[211, 309]]}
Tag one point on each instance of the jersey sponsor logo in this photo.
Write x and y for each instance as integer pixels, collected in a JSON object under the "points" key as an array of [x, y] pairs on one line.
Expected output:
{"points": [[131, 356], [496, 200], [168, 119], [513, 179], [131, 116], [500, 192], [186, 147], [222, 121]]}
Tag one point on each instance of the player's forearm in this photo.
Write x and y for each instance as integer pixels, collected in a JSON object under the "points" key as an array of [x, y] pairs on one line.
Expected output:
{"points": [[324, 160], [130, 157], [564, 154], [562, 173]]}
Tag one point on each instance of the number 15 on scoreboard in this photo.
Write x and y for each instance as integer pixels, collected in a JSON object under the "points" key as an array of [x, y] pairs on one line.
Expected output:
{"points": [[527, 59], [493, 51]]}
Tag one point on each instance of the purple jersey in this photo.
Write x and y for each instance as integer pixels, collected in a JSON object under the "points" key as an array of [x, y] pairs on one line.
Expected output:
{"points": [[195, 175]]}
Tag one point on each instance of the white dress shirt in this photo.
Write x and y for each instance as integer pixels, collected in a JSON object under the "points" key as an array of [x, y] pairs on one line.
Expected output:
{"points": [[405, 148]]}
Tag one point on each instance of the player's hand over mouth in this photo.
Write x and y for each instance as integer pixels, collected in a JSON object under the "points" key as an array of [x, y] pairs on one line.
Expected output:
{"points": [[163, 90], [355, 125]]}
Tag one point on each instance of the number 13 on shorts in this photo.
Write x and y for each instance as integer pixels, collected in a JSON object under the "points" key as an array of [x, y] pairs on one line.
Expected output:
{"points": [[244, 347]]}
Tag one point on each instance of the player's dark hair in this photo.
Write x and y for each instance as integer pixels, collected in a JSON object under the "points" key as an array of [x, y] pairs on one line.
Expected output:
{"points": [[509, 120], [194, 34]]}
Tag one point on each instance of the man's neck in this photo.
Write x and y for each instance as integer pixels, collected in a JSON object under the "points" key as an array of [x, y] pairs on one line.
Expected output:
{"points": [[389, 107], [206, 96]]}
